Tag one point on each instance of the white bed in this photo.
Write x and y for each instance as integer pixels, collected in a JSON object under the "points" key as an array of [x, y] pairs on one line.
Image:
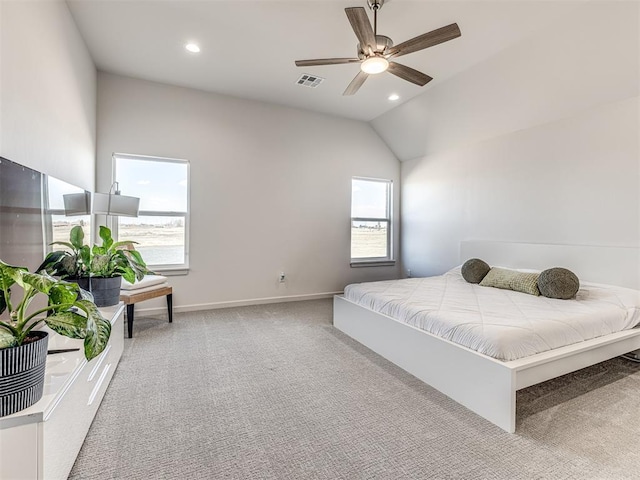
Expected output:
{"points": [[482, 383]]}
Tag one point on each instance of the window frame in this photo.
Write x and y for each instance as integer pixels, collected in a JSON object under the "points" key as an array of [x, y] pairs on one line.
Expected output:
{"points": [[165, 269], [375, 261]]}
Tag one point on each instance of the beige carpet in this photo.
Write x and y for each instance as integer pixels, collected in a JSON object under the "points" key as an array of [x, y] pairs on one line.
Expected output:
{"points": [[275, 392]]}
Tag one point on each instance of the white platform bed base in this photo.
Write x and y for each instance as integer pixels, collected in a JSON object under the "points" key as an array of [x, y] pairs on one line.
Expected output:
{"points": [[483, 384]]}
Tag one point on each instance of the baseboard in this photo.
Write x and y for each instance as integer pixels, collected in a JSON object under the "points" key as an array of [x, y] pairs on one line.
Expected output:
{"points": [[238, 303]]}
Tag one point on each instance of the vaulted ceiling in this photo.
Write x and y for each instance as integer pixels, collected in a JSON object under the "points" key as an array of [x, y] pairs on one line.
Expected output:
{"points": [[248, 48]]}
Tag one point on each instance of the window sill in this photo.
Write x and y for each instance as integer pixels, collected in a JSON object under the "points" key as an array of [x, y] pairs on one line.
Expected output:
{"points": [[373, 263]]}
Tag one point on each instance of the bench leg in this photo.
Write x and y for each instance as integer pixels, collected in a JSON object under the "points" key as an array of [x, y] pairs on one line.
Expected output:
{"points": [[170, 307], [130, 319]]}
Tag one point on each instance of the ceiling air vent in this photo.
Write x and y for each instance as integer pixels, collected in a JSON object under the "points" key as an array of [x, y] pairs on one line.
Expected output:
{"points": [[310, 81]]}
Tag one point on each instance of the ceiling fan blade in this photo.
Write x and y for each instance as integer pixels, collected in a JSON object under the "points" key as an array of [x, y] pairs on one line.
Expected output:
{"points": [[325, 61], [408, 74], [356, 83], [361, 27], [435, 37]]}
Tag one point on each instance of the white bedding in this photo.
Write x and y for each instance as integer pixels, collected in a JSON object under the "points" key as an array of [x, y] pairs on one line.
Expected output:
{"points": [[500, 323]]}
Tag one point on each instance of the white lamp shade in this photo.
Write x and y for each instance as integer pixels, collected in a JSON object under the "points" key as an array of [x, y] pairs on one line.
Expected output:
{"points": [[77, 204], [117, 205]]}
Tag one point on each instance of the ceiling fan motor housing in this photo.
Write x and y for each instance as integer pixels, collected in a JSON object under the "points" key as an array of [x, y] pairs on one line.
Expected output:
{"points": [[383, 43]]}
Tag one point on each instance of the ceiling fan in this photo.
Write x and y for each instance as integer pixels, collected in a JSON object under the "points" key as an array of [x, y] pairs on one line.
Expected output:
{"points": [[375, 51]]}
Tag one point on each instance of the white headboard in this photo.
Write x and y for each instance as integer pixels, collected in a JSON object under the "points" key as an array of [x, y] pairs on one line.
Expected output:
{"points": [[612, 265]]}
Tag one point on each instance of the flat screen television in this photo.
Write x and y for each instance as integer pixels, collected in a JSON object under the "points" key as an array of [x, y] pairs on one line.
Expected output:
{"points": [[32, 214]]}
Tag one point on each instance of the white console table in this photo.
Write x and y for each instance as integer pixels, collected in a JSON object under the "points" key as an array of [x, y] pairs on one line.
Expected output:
{"points": [[43, 441]]}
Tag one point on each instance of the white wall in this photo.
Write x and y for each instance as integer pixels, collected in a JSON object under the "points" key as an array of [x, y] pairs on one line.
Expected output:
{"points": [[537, 144], [47, 91], [271, 186]]}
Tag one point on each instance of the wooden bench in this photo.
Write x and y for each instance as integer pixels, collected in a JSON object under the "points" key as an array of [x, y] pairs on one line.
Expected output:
{"points": [[131, 297]]}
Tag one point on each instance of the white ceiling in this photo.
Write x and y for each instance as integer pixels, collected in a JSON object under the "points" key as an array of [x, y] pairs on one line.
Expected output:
{"points": [[249, 47]]}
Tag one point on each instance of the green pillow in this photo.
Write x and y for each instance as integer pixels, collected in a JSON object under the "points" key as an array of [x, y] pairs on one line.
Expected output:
{"points": [[474, 270], [558, 283], [512, 280]]}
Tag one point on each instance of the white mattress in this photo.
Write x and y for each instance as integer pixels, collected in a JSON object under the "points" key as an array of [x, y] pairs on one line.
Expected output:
{"points": [[500, 323]]}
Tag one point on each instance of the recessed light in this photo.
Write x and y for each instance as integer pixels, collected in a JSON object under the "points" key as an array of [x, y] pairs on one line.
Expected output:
{"points": [[192, 47], [393, 97]]}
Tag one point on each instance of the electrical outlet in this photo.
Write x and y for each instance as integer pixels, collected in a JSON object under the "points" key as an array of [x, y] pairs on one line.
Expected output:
{"points": [[281, 277]]}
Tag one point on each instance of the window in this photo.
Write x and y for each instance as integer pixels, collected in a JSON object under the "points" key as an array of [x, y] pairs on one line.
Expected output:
{"points": [[162, 227], [370, 221]]}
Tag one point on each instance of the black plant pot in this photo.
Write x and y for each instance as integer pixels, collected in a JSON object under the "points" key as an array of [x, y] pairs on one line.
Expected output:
{"points": [[105, 290], [83, 282], [22, 374]]}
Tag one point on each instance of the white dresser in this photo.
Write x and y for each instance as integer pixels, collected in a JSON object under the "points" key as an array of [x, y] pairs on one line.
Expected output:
{"points": [[42, 442]]}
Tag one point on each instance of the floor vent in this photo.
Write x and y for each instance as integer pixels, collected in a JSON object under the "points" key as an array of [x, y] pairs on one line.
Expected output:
{"points": [[310, 81]]}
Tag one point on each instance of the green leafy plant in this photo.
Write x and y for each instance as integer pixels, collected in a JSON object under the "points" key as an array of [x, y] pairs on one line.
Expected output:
{"points": [[111, 259], [70, 310]]}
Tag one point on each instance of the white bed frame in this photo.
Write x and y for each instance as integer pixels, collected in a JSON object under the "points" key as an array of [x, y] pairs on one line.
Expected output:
{"points": [[483, 384]]}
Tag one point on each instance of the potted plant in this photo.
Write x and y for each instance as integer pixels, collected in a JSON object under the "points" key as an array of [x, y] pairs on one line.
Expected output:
{"points": [[98, 269], [23, 350]]}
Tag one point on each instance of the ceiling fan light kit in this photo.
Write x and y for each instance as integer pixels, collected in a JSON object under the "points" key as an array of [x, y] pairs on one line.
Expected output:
{"points": [[375, 51], [375, 64]]}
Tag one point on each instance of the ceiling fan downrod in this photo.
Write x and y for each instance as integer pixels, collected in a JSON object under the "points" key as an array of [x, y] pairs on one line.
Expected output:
{"points": [[375, 5]]}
